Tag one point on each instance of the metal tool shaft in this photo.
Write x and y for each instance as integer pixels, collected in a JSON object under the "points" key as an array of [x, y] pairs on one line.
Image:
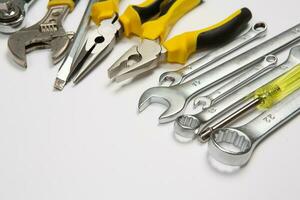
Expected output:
{"points": [[67, 68]]}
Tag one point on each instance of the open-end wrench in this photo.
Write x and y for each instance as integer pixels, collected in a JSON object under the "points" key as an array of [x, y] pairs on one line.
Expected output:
{"points": [[12, 14], [245, 138], [177, 97], [191, 126], [258, 70], [257, 31]]}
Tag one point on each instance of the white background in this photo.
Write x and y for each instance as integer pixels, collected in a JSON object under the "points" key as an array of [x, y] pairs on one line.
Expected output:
{"points": [[88, 142]]}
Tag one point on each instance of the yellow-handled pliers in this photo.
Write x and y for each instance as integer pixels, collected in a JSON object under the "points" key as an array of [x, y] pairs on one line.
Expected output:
{"points": [[149, 53], [101, 40]]}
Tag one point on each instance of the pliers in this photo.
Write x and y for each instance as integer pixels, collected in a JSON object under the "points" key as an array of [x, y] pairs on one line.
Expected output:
{"points": [[47, 33], [12, 14], [149, 53], [101, 41]]}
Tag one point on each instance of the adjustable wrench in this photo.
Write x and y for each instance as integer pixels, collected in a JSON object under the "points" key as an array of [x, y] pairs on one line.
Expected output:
{"points": [[47, 33], [257, 31], [250, 75], [176, 98], [191, 126], [12, 14], [246, 138]]}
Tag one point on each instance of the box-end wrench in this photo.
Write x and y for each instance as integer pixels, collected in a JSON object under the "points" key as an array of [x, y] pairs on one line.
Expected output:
{"points": [[177, 97], [245, 138], [246, 77], [191, 126], [172, 78]]}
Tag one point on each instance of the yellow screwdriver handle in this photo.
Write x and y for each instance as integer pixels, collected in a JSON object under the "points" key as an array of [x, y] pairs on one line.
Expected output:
{"points": [[279, 88], [182, 46], [160, 28], [136, 15], [104, 9], [70, 3]]}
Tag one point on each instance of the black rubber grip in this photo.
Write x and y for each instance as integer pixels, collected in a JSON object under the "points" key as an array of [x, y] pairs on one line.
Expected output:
{"points": [[226, 32], [150, 11]]}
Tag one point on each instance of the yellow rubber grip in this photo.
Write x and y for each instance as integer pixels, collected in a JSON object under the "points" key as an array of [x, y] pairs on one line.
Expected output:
{"points": [[182, 46], [132, 19], [104, 10], [69, 3], [279, 88], [160, 28]]}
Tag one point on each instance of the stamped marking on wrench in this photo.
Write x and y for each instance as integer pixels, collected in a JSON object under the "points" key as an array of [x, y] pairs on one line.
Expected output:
{"points": [[177, 97], [235, 146], [190, 126]]}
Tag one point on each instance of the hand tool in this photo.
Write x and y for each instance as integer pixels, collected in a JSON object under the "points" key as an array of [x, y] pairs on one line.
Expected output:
{"points": [[149, 53], [263, 98], [12, 14], [246, 77], [177, 97], [101, 41], [67, 67], [47, 33], [193, 126], [172, 78], [235, 146]]}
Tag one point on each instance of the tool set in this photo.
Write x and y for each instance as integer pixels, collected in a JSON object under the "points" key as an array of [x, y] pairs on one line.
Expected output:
{"points": [[257, 82]]}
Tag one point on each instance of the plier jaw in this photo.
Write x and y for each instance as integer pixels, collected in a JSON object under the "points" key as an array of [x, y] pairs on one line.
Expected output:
{"points": [[12, 15], [137, 60], [99, 42]]}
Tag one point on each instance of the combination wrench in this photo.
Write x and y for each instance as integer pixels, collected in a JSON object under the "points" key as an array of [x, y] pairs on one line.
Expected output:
{"points": [[191, 126], [256, 31], [206, 101], [177, 97], [246, 138]]}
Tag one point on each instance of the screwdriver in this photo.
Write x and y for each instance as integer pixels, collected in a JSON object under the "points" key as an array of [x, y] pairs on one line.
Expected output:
{"points": [[263, 98]]}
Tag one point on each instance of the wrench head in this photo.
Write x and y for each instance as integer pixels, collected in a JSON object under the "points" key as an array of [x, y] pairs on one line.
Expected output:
{"points": [[170, 78], [171, 98], [188, 126], [230, 146], [203, 101], [29, 39]]}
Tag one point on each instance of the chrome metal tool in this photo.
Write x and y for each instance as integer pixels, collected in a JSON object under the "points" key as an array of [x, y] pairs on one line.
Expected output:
{"points": [[67, 68], [194, 126], [172, 78], [235, 146], [177, 97], [246, 77], [47, 33], [13, 14]]}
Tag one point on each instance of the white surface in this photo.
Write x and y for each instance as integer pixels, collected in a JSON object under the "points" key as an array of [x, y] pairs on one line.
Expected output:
{"points": [[88, 142]]}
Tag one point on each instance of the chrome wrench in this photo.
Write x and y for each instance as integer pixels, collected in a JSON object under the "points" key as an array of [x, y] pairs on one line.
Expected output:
{"points": [[256, 31], [177, 97], [246, 138], [250, 75], [12, 14], [191, 126]]}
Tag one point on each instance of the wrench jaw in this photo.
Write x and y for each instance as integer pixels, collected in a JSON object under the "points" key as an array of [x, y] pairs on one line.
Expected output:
{"points": [[170, 78], [231, 146], [21, 43], [204, 102], [172, 99]]}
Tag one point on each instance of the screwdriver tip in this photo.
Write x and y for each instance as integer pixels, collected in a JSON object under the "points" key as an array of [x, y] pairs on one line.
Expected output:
{"points": [[59, 84]]}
